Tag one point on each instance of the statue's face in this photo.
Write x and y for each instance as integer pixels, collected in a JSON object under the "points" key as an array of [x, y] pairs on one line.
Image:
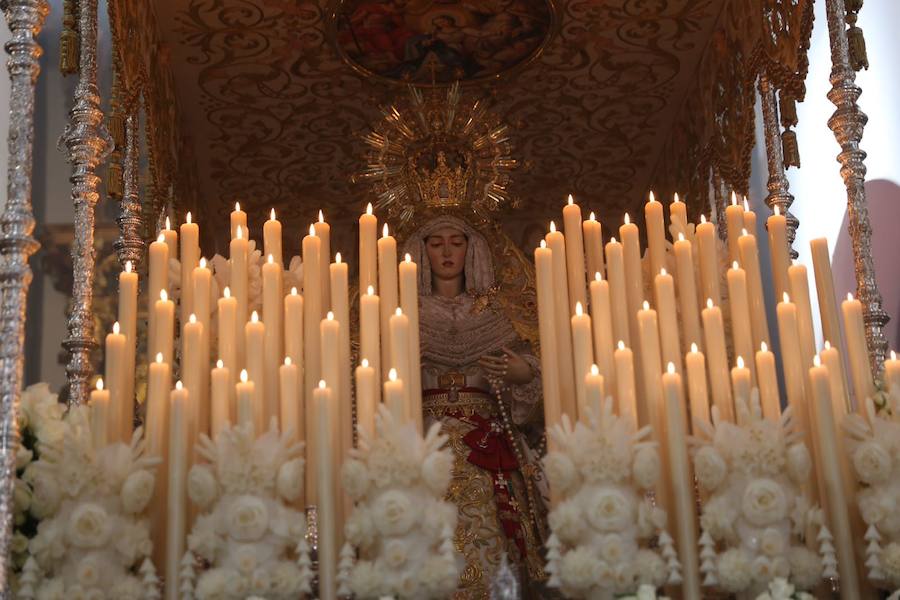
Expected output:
{"points": [[446, 250]]}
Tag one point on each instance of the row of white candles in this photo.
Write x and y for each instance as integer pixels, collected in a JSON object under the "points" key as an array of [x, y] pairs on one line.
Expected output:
{"points": [[267, 367], [586, 357]]}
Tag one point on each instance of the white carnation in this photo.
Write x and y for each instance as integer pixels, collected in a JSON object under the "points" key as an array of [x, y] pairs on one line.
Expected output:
{"points": [[355, 478], [247, 519], [872, 462], [137, 491], [45, 492], [560, 470], [365, 580], [89, 571], [806, 567], [359, 528], [201, 486], [132, 541], [567, 521], [437, 470], [764, 502], [578, 570], [650, 568], [88, 526], [213, 585], [613, 548], [734, 570], [395, 553], [285, 580], [394, 513], [798, 463], [290, 479], [608, 510], [772, 542], [646, 467], [709, 467]]}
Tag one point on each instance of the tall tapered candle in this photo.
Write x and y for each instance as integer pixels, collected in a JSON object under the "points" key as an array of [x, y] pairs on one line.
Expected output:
{"points": [[831, 325], [583, 354], [714, 334], [365, 397], [190, 258], [626, 398], [327, 505], [565, 366], [857, 351], [340, 305], [749, 218], [399, 332], [734, 220], [159, 390], [228, 337], [688, 305], [220, 398], [593, 245], [273, 314], [827, 446], [695, 366], [409, 302], [741, 325], [330, 333], [393, 395], [776, 224], [370, 334], [798, 288], [543, 267], [634, 284], [246, 405], [670, 340], [615, 272], [193, 373], [791, 361], [120, 412], [368, 252], [293, 327], [892, 372], [272, 239], [239, 281], [594, 389], [238, 218], [387, 291], [255, 342], [682, 480], [289, 402], [740, 382], [574, 253], [157, 279], [656, 234], [767, 382], [99, 403], [176, 512], [312, 371], [707, 247], [323, 232], [601, 322], [678, 212], [201, 280], [831, 359], [750, 262], [164, 338], [128, 291], [649, 407], [170, 237]]}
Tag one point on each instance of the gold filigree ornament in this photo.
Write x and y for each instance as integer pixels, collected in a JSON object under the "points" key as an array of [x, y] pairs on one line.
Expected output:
{"points": [[436, 150]]}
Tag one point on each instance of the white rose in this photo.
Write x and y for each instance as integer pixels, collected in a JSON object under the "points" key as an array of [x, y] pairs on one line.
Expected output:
{"points": [[874, 505], [806, 567], [646, 467], [733, 569], [88, 527], [762, 569], [39, 405], [359, 528], [890, 563], [290, 479], [393, 513], [395, 553], [566, 521], [798, 463], [48, 546], [50, 434], [561, 472], [260, 582], [137, 491], [625, 576], [872, 462], [355, 478], [650, 567], [772, 542], [764, 502], [709, 467], [365, 580], [51, 589], [45, 492], [578, 569], [608, 510], [202, 487], [437, 470], [408, 586], [244, 559], [88, 571], [247, 519], [612, 548]]}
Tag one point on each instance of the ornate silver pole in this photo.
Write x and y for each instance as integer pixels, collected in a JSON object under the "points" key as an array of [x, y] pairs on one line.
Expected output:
{"points": [[778, 182], [130, 245], [87, 142], [847, 123], [25, 19]]}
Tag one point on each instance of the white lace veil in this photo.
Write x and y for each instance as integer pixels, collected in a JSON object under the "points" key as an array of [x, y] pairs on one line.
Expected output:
{"points": [[479, 268]]}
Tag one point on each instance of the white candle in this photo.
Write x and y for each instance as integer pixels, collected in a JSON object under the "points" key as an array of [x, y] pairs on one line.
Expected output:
{"points": [[273, 313], [159, 390], [99, 403], [656, 234], [190, 258], [831, 325], [741, 384], [593, 245], [201, 279], [649, 407], [246, 411], [776, 224], [193, 374], [293, 329], [164, 338], [365, 397], [601, 322], [330, 334], [757, 302], [767, 382], [749, 218], [340, 305], [664, 286], [409, 302], [393, 395], [583, 355], [228, 337], [255, 341], [892, 372], [857, 351], [634, 284], [370, 334], [707, 248], [387, 290], [289, 402], [238, 219], [368, 252], [128, 291], [798, 283], [574, 252], [220, 396], [327, 505], [626, 398], [564, 357], [794, 375], [687, 292], [695, 366], [176, 512], [543, 266], [734, 220], [678, 213], [239, 280], [399, 332], [120, 413], [157, 280], [312, 371], [323, 232], [272, 239], [741, 321], [615, 272], [170, 237], [714, 334]]}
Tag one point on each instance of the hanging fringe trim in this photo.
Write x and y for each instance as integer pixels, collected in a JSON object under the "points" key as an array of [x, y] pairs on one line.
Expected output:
{"points": [[856, 42], [69, 41], [115, 181], [790, 149]]}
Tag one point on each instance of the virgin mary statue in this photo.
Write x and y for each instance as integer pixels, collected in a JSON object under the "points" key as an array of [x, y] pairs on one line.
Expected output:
{"points": [[481, 381]]}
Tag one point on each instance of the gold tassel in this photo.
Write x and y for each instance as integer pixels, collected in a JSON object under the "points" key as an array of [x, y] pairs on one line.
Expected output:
{"points": [[788, 107], [790, 149], [116, 125], [853, 6], [115, 181], [68, 40], [857, 45]]}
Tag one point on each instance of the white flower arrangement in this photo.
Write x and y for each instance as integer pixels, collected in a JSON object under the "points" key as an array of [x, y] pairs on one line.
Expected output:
{"points": [[873, 448], [755, 516], [248, 533], [601, 471], [780, 589], [401, 527], [92, 540]]}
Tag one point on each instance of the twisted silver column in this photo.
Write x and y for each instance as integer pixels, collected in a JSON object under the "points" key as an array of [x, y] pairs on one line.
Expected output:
{"points": [[130, 245], [778, 182], [87, 142], [25, 19], [847, 124]]}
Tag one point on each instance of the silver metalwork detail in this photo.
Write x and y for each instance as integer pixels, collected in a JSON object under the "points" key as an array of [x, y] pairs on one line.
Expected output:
{"points": [[25, 19], [847, 124], [778, 182], [719, 198], [130, 245], [87, 143]]}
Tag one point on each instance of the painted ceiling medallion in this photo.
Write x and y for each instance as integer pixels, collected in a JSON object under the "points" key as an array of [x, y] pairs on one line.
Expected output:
{"points": [[441, 41]]}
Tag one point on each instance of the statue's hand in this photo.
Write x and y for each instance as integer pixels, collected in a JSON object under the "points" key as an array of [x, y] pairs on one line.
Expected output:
{"points": [[510, 367]]}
